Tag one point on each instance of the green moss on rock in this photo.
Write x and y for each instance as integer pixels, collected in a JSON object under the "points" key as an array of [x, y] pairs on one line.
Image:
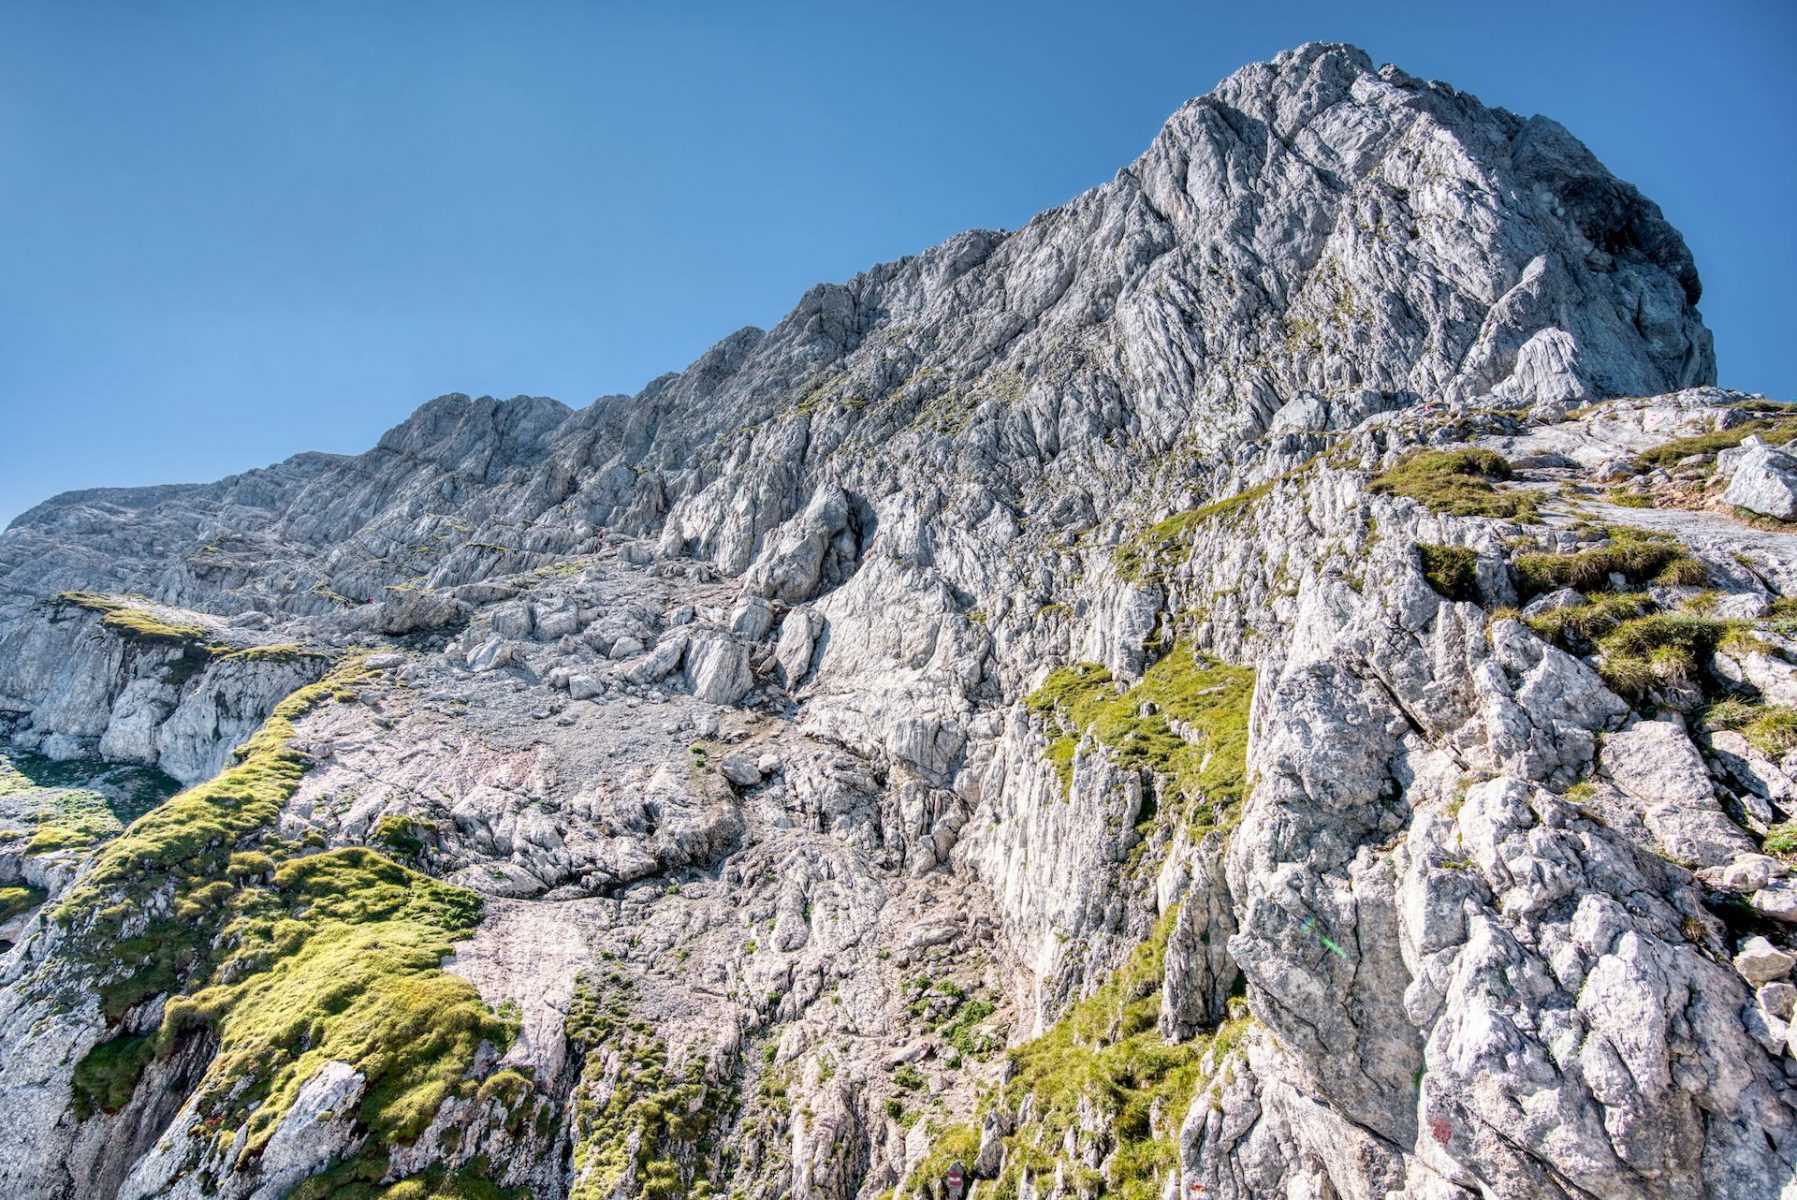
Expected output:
{"points": [[640, 1126], [1101, 1073], [339, 960], [1187, 720], [289, 959], [361, 1178], [402, 834], [1160, 547], [187, 842], [136, 624], [133, 623], [19, 898]]}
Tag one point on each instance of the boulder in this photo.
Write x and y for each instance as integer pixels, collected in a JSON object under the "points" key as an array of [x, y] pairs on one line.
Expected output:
{"points": [[1777, 1000], [1760, 962], [752, 618], [793, 652], [739, 770], [1777, 900], [659, 663], [717, 668], [1654, 762], [494, 653], [1764, 482]]}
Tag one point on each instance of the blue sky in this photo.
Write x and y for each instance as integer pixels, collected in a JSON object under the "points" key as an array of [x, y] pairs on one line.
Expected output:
{"points": [[237, 231]]}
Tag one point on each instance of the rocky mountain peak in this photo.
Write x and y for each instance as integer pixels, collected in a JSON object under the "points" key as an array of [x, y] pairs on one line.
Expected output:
{"points": [[1273, 679]]}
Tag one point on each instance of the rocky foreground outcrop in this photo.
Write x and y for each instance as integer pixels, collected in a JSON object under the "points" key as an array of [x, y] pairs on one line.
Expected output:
{"points": [[1274, 680]]}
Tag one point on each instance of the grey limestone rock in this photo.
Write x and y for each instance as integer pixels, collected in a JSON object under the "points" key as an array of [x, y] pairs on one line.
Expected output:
{"points": [[1764, 482], [1760, 962], [777, 722]]}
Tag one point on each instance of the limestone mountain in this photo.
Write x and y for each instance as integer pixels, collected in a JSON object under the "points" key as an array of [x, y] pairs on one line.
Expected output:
{"points": [[1275, 679]]}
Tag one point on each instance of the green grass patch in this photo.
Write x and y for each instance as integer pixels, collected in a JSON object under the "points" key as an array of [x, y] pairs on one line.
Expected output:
{"points": [[1772, 432], [339, 960], [1460, 483], [639, 1126], [1162, 546], [133, 623], [1781, 839], [1196, 734], [1642, 653], [1686, 632], [1769, 728], [16, 898], [360, 1179], [403, 835], [291, 959], [1640, 556], [284, 652], [76, 804], [187, 841], [140, 625], [72, 820], [1577, 627], [1774, 731], [1453, 571], [107, 1075], [1103, 1074]]}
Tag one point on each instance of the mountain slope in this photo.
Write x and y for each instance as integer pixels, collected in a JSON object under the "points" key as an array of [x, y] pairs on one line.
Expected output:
{"points": [[1011, 711]]}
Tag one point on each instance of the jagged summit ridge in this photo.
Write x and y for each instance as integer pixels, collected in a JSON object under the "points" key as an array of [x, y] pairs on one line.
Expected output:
{"points": [[1315, 236]]}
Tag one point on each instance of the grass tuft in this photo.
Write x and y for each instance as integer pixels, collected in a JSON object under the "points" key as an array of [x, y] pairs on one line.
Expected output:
{"points": [[1453, 571], [1461, 483], [1577, 626], [1769, 728], [1641, 654], [1772, 432], [1638, 555], [1781, 839]]}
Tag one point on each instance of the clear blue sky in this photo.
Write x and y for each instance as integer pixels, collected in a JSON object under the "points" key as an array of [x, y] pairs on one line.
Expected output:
{"points": [[236, 231]]}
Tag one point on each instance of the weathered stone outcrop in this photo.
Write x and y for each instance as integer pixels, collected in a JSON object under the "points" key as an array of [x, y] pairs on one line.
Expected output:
{"points": [[1254, 679]]}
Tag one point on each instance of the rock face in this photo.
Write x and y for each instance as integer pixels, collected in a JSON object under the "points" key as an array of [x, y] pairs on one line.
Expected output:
{"points": [[1765, 482], [1033, 707]]}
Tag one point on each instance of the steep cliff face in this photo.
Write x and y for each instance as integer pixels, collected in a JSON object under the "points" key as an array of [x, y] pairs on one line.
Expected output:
{"points": [[1228, 690]]}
